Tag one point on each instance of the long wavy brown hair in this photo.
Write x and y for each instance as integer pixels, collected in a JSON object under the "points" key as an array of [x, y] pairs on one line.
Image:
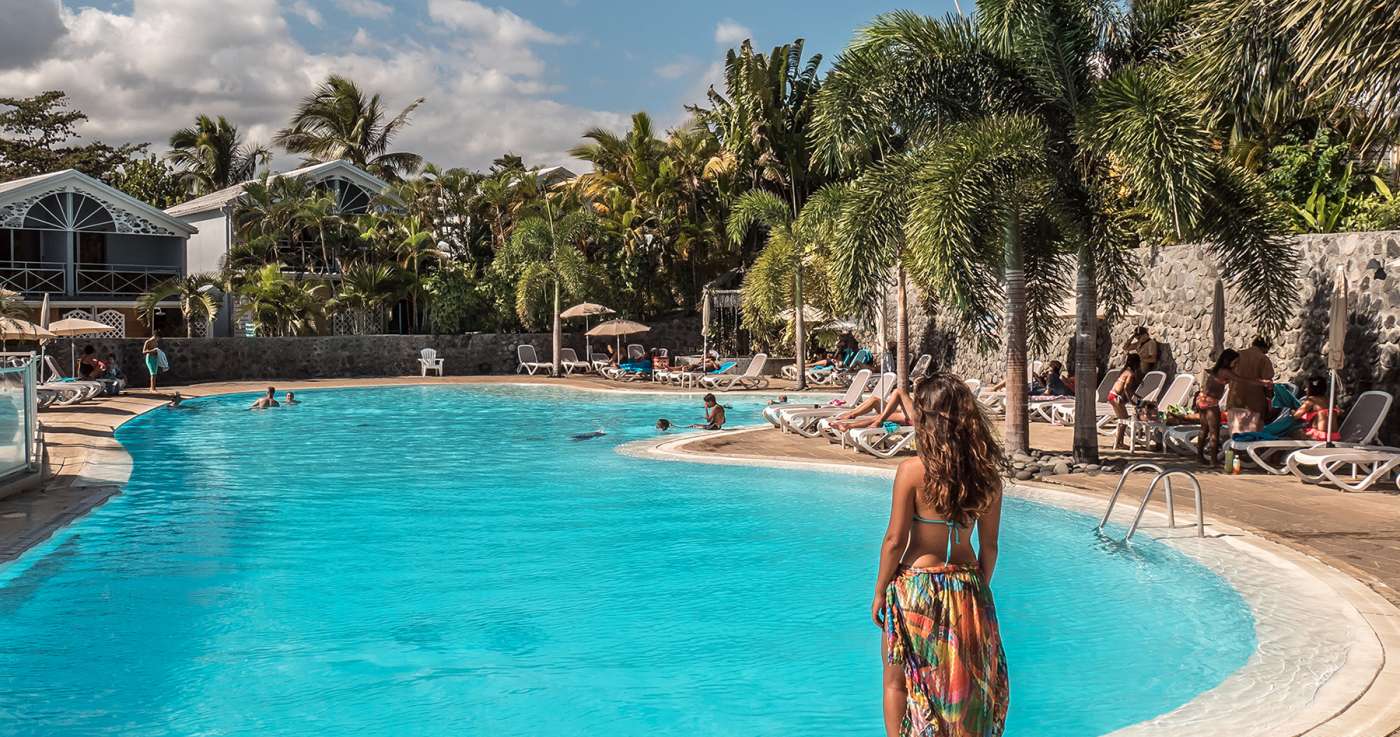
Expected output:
{"points": [[962, 458]]}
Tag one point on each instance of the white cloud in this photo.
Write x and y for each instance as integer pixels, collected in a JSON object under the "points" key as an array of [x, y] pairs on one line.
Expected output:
{"points": [[307, 12], [497, 24], [481, 100], [729, 32], [678, 68], [365, 8]]}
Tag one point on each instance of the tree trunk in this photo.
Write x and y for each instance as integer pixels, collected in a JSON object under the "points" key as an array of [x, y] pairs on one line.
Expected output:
{"points": [[558, 333], [901, 329], [1086, 372], [1017, 419], [799, 328]]}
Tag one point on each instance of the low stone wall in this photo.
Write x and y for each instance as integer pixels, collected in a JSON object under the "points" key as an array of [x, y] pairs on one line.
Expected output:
{"points": [[1175, 304]]}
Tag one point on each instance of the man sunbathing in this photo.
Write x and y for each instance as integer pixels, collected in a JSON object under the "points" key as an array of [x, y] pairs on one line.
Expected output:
{"points": [[899, 409]]}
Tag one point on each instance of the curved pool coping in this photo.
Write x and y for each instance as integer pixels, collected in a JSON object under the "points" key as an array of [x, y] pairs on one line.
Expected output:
{"points": [[1354, 700]]}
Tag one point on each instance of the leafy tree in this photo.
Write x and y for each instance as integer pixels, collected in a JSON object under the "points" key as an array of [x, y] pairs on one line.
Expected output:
{"points": [[150, 180], [453, 299], [414, 246], [38, 135], [367, 291], [281, 306], [211, 155], [338, 121]]}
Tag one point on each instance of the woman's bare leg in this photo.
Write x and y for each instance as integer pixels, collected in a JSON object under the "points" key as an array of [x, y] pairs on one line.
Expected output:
{"points": [[896, 698], [1122, 413]]}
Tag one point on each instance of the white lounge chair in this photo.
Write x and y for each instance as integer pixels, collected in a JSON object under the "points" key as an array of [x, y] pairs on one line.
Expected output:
{"points": [[89, 389], [1176, 393], [884, 386], [568, 358], [1358, 430], [530, 362], [788, 417], [428, 361], [1327, 463], [921, 367], [752, 378], [1045, 409], [883, 443], [1149, 389]]}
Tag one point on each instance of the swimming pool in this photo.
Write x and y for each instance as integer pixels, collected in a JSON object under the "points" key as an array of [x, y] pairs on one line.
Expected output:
{"points": [[447, 561]]}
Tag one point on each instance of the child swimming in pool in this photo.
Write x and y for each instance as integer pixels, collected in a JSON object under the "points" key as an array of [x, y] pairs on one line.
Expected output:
{"points": [[663, 424], [590, 435], [291, 399]]}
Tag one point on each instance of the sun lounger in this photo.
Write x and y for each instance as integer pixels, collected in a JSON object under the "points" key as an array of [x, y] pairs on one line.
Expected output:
{"points": [[89, 389], [428, 361], [568, 358], [530, 363], [1358, 430], [752, 378], [787, 417], [883, 388], [1176, 393], [1327, 466], [921, 367], [1045, 410], [1149, 390], [882, 443]]}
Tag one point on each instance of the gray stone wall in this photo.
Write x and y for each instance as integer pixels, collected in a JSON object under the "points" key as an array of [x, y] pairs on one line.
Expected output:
{"points": [[1175, 304], [233, 359]]}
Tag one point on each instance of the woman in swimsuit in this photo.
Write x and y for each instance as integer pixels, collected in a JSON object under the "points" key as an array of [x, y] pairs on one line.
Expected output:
{"points": [[1122, 393], [1314, 412], [1213, 384], [945, 670], [150, 350]]}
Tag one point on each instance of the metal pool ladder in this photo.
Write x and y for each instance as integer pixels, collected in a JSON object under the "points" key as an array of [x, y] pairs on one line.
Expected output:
{"points": [[1164, 475]]}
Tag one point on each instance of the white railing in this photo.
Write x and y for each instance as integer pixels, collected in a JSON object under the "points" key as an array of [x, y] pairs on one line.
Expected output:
{"points": [[34, 276], [122, 278]]}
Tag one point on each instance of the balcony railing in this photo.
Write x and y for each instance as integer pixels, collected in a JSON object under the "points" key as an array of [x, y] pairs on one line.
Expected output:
{"points": [[51, 277], [122, 278]]}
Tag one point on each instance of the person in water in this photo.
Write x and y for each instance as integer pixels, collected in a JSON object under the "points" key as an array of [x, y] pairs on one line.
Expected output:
{"points": [[663, 424], [175, 400], [291, 399], [266, 401], [714, 414], [945, 668], [589, 435]]}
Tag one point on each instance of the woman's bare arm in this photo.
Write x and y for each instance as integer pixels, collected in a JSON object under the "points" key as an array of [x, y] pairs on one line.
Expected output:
{"points": [[988, 535], [896, 534]]}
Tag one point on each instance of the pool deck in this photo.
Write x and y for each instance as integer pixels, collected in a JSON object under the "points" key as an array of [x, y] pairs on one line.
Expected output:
{"points": [[1358, 534]]}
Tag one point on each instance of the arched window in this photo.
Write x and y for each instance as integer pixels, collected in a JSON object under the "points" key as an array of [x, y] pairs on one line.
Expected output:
{"points": [[69, 211], [349, 197]]}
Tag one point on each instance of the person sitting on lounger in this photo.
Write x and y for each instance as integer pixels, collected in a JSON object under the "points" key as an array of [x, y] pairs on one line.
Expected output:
{"points": [[899, 409], [1314, 412], [267, 401], [91, 367], [714, 414], [1049, 383]]}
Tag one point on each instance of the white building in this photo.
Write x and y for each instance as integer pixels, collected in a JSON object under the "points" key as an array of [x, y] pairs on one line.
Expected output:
{"points": [[90, 247]]}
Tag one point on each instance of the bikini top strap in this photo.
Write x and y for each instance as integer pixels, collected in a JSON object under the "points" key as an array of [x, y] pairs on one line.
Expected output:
{"points": [[954, 532]]}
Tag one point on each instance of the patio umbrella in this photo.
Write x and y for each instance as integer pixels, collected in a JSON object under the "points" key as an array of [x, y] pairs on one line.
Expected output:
{"points": [[13, 328], [1336, 343], [1217, 320], [73, 327], [587, 310], [618, 328]]}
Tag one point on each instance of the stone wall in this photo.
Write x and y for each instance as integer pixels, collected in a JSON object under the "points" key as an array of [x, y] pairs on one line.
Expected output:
{"points": [[1175, 304], [233, 359]]}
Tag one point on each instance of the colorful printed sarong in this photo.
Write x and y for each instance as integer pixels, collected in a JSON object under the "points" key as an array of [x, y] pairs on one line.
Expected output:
{"points": [[941, 625]]}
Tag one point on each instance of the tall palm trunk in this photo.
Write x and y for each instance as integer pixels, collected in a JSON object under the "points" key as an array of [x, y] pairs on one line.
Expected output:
{"points": [[901, 328], [1086, 373], [1017, 417], [558, 338]]}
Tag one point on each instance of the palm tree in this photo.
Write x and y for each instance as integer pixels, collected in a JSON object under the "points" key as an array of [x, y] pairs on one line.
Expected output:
{"points": [[414, 245], [281, 306], [959, 106], [315, 212], [338, 121], [210, 155], [546, 251], [193, 292], [367, 290], [793, 253]]}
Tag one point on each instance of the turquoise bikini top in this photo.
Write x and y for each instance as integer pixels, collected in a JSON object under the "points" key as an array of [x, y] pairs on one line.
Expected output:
{"points": [[954, 531]]}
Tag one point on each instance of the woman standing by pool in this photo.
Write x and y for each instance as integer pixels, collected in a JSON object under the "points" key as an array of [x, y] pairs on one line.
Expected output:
{"points": [[945, 671], [151, 351]]}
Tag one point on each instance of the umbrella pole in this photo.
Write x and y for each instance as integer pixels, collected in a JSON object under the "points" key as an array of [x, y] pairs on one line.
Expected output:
{"points": [[1331, 406]]}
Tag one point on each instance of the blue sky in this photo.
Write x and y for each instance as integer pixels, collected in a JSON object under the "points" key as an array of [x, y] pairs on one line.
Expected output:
{"points": [[513, 75]]}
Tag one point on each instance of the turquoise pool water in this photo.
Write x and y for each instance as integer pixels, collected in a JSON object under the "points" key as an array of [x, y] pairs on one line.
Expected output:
{"points": [[447, 561]]}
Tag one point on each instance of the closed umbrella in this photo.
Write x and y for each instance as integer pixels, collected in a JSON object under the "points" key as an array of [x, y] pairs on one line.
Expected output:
{"points": [[1217, 320], [1336, 342], [75, 326], [618, 328], [587, 310], [705, 328], [43, 323]]}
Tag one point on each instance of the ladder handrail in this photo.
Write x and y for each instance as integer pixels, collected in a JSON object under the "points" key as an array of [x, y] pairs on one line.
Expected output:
{"points": [[1164, 476]]}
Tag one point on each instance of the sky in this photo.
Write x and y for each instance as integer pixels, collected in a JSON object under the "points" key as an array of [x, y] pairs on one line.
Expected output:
{"points": [[520, 76]]}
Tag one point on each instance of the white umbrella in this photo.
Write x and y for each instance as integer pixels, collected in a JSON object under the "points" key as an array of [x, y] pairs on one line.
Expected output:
{"points": [[43, 323], [705, 328], [618, 328], [1336, 342], [586, 310], [13, 328], [75, 326]]}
